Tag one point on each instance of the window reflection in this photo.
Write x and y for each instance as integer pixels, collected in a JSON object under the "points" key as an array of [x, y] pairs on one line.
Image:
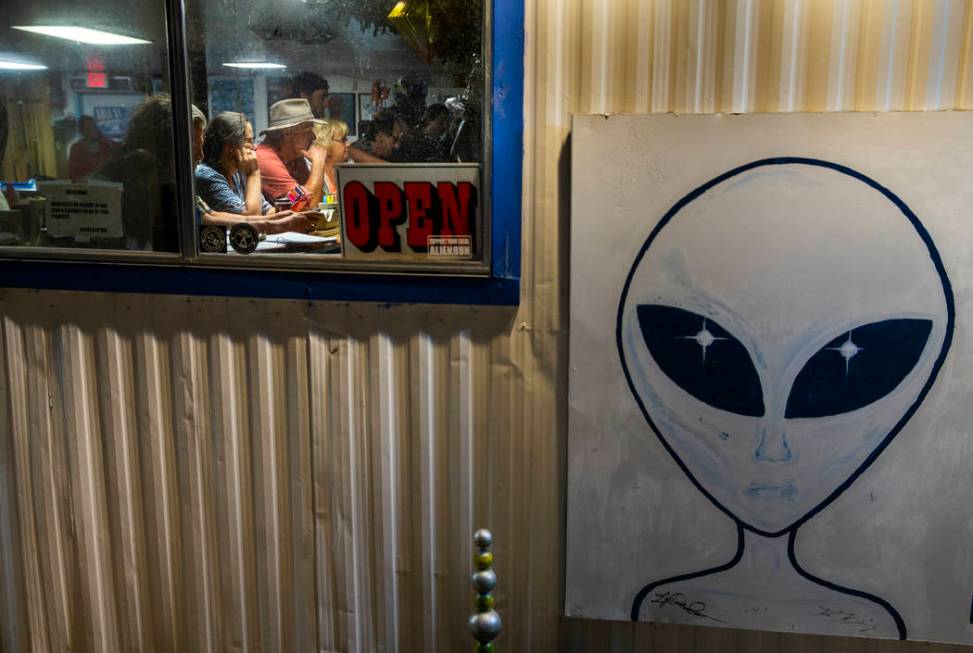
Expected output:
{"points": [[87, 123]]}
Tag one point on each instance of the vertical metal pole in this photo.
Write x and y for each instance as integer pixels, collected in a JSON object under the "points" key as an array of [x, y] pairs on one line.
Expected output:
{"points": [[182, 125], [485, 624]]}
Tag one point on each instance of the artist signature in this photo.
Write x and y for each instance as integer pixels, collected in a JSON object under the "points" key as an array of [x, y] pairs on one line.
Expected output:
{"points": [[678, 599], [845, 617]]}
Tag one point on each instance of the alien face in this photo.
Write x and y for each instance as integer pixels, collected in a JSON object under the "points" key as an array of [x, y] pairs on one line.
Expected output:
{"points": [[778, 328]]}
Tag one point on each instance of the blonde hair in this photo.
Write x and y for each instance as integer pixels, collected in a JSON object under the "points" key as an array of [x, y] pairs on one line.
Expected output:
{"points": [[333, 130]]}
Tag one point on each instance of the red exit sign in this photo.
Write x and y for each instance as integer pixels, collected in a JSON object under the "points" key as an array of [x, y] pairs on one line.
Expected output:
{"points": [[97, 80]]}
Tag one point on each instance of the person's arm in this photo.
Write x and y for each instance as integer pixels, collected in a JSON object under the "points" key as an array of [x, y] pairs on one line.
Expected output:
{"points": [[361, 156], [315, 180], [271, 224], [250, 169]]}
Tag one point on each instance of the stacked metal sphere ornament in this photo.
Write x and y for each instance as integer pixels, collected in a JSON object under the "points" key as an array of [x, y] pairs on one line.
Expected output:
{"points": [[485, 624]]}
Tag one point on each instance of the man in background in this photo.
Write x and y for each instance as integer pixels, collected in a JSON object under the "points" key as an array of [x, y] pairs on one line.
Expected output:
{"points": [[92, 150], [314, 89]]}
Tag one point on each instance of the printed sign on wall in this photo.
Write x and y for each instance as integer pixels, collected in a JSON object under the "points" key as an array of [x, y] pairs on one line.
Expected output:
{"points": [[769, 422], [404, 212]]}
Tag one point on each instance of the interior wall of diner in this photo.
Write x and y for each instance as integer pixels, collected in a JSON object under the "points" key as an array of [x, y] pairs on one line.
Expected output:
{"points": [[227, 474]]}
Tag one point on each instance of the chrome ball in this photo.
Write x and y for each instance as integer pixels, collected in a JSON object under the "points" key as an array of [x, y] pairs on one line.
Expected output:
{"points": [[485, 626], [484, 581], [483, 538]]}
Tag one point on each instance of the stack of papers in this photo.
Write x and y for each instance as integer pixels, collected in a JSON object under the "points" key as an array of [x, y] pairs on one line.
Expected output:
{"points": [[291, 240]]}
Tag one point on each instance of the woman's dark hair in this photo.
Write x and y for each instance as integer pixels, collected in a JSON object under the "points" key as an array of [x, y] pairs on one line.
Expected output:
{"points": [[150, 130], [228, 127]]}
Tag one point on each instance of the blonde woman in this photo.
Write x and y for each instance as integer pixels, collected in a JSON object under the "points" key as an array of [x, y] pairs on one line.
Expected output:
{"points": [[333, 137]]}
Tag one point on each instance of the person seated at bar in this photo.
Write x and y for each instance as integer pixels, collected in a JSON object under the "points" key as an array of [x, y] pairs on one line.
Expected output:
{"points": [[333, 137], [145, 166], [432, 142], [228, 179], [289, 139], [92, 150], [4, 122], [383, 136]]}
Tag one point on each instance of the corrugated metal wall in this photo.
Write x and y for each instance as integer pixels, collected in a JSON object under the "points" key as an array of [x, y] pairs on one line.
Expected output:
{"points": [[229, 475]]}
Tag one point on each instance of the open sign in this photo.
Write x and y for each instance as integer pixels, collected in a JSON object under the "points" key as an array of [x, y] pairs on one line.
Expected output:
{"points": [[410, 212]]}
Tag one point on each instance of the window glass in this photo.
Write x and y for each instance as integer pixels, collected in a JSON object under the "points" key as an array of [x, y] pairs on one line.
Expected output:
{"points": [[86, 138], [289, 90]]}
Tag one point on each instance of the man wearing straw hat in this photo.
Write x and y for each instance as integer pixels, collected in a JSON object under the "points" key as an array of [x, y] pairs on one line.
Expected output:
{"points": [[289, 137]]}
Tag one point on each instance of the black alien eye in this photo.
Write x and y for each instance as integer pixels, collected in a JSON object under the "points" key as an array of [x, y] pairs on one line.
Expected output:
{"points": [[857, 368], [702, 358]]}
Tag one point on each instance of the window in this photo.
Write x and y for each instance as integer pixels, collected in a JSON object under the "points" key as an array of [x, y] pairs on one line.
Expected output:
{"points": [[87, 119], [236, 154]]}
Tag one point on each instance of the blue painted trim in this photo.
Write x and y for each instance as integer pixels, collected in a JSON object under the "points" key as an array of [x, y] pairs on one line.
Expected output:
{"points": [[502, 288], [508, 136], [312, 286]]}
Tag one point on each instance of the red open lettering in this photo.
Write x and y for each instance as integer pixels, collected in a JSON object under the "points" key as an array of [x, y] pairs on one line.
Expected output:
{"points": [[421, 224], [358, 223], [390, 214], [457, 202]]}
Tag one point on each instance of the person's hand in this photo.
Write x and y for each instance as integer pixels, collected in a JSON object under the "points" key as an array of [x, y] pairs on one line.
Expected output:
{"points": [[316, 154], [246, 160], [300, 222], [360, 156]]}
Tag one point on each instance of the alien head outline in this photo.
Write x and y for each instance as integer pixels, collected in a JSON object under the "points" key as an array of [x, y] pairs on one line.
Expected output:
{"points": [[769, 349]]}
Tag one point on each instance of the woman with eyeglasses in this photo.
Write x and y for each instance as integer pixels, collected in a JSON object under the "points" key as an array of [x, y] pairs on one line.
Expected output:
{"points": [[228, 180]]}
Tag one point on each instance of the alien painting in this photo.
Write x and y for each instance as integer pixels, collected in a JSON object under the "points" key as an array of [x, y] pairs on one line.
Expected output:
{"points": [[777, 326]]}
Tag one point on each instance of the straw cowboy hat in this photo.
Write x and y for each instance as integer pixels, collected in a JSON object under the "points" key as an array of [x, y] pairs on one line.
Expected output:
{"points": [[290, 113]]}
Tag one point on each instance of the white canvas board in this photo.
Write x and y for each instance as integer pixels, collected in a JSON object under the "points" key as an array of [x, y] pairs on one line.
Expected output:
{"points": [[770, 423]]}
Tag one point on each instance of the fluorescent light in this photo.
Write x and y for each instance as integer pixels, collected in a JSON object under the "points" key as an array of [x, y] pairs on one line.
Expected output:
{"points": [[81, 34], [259, 65], [19, 65]]}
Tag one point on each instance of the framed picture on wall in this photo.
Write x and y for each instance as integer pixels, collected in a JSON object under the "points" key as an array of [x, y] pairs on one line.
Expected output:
{"points": [[110, 110], [278, 88], [231, 94], [366, 106], [342, 107]]}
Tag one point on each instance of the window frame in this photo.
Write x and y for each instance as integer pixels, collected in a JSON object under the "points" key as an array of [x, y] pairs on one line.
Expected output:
{"points": [[190, 273]]}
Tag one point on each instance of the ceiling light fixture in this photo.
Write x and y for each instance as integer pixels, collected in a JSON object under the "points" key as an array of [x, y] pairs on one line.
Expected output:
{"points": [[81, 34], [19, 65], [257, 65]]}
